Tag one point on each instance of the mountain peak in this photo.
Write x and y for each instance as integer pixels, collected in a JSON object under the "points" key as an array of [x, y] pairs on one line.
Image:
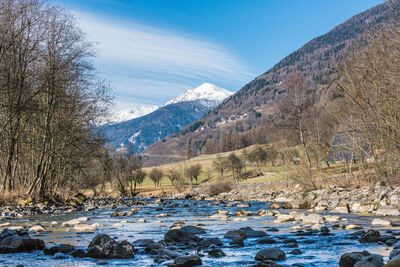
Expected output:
{"points": [[206, 91]]}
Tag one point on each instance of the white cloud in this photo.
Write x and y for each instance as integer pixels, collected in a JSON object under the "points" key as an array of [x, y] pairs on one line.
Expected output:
{"points": [[139, 60]]}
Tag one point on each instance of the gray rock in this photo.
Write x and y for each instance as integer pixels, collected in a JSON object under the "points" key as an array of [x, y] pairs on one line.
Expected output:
{"points": [[177, 235], [370, 236], [188, 261], [388, 211], [194, 230], [13, 242], [350, 259], [236, 234], [251, 232], [216, 253], [103, 247], [210, 241], [274, 254], [63, 248]]}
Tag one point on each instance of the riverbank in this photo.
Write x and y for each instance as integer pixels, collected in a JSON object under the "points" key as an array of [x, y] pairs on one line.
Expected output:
{"points": [[189, 232], [380, 200]]}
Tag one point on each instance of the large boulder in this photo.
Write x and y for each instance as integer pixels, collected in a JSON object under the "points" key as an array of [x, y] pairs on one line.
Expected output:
{"points": [[178, 235], [13, 242], [188, 261], [104, 247], [350, 259], [274, 254]]}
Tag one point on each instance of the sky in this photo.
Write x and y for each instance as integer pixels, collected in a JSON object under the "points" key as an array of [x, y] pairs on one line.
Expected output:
{"points": [[150, 51]]}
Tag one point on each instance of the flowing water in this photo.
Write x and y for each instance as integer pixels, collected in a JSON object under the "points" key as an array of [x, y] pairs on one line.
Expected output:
{"points": [[317, 250]]}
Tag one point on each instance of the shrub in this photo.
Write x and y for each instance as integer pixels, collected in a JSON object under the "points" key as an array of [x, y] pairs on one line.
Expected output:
{"points": [[216, 189]]}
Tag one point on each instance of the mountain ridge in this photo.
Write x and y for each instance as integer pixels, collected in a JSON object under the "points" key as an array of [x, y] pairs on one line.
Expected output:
{"points": [[316, 60]]}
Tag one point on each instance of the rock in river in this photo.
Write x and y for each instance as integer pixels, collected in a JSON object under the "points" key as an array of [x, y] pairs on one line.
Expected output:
{"points": [[350, 259], [275, 254], [104, 247], [177, 235], [13, 242], [187, 261]]}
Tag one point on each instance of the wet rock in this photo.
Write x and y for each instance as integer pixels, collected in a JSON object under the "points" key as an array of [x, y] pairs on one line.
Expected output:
{"points": [[237, 242], [12, 242], [291, 245], [188, 261], [250, 232], [78, 253], [364, 263], [194, 230], [266, 240], [177, 235], [165, 253], [153, 248], [216, 253], [142, 220], [103, 246], [350, 259], [370, 236], [267, 264], [274, 254], [63, 248], [236, 234], [296, 252], [210, 241]]}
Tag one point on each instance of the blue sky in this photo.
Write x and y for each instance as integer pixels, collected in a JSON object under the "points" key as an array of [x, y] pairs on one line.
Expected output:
{"points": [[152, 50]]}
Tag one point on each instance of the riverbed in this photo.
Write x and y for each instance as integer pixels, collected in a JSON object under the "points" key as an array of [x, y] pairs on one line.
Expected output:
{"points": [[317, 249]]}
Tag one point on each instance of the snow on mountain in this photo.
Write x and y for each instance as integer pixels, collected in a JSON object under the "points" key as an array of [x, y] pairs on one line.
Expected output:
{"points": [[128, 114], [205, 91]]}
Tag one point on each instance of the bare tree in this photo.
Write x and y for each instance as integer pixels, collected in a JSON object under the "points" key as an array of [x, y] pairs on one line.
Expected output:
{"points": [[193, 172], [156, 175], [295, 106], [220, 164]]}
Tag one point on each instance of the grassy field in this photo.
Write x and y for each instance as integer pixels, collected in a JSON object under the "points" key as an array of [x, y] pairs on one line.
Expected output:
{"points": [[209, 175]]}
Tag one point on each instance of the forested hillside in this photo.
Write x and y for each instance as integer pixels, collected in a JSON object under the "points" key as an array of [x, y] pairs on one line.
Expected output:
{"points": [[246, 117]]}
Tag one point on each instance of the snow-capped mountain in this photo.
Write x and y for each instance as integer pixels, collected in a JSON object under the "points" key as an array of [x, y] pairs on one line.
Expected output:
{"points": [[206, 91], [136, 129], [128, 114]]}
